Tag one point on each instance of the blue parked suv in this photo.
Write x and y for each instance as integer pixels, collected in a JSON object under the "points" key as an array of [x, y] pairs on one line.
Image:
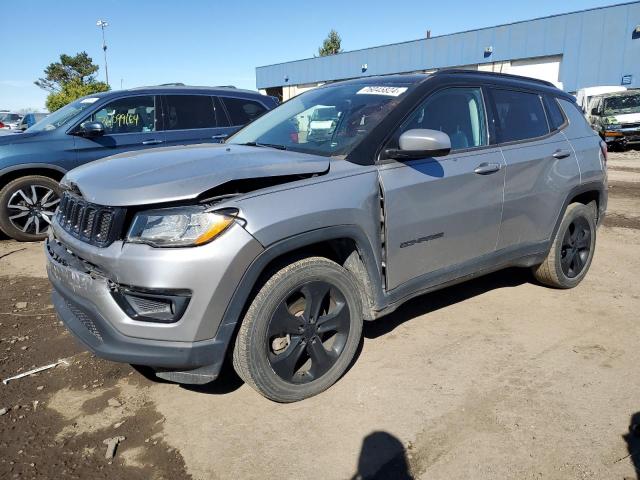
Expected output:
{"points": [[104, 124]]}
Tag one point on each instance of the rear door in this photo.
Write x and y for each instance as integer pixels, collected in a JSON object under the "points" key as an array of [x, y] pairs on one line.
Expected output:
{"points": [[191, 118], [443, 212], [130, 124], [541, 165]]}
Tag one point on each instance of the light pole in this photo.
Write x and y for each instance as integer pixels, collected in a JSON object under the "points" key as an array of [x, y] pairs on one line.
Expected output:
{"points": [[102, 24]]}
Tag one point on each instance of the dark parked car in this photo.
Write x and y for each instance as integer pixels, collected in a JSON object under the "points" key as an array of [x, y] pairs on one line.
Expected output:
{"points": [[616, 117], [93, 127], [275, 246], [29, 120]]}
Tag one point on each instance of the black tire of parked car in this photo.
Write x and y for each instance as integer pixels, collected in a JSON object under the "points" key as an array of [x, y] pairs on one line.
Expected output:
{"points": [[301, 331], [24, 202], [571, 253]]}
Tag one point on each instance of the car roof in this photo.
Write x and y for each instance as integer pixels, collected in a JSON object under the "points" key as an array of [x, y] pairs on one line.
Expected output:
{"points": [[502, 79], [181, 89]]}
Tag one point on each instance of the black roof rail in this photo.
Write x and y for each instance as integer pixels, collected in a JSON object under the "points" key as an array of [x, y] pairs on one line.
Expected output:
{"points": [[171, 84], [225, 86], [494, 74]]}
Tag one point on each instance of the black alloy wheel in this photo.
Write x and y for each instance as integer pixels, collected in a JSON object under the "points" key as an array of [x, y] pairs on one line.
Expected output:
{"points": [[576, 246], [308, 332]]}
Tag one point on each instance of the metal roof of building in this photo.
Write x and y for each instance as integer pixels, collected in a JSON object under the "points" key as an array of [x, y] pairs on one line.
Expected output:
{"points": [[598, 46]]}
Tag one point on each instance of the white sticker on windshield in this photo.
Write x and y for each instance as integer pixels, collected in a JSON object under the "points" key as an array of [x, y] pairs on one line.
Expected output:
{"points": [[379, 90], [89, 100]]}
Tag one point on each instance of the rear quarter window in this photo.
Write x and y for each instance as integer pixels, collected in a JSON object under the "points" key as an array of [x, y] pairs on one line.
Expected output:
{"points": [[241, 110], [554, 114], [519, 115]]}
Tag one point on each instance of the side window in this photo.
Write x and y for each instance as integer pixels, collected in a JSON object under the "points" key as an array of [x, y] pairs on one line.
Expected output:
{"points": [[241, 110], [127, 115], [187, 112], [555, 116], [456, 111], [520, 115]]}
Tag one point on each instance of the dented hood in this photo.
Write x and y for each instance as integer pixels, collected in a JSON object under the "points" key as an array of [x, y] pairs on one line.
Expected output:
{"points": [[183, 172]]}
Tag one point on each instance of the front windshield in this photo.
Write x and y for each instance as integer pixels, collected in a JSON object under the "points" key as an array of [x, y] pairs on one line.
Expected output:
{"points": [[622, 104], [9, 117], [328, 121], [62, 115]]}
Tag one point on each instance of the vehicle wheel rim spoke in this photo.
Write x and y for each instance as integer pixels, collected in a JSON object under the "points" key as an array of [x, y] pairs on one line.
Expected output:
{"points": [[284, 364], [19, 215], [51, 204], [284, 322], [315, 294], [27, 224], [584, 239], [576, 245], [18, 207], [336, 321], [46, 197], [26, 199], [321, 358]]}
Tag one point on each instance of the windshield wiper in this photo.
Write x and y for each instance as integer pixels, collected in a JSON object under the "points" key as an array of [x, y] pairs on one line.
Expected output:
{"points": [[260, 144]]}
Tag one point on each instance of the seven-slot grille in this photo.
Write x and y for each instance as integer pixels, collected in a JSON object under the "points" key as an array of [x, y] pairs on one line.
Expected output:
{"points": [[94, 224]]}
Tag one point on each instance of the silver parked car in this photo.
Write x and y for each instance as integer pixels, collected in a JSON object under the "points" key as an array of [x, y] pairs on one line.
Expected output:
{"points": [[276, 245]]}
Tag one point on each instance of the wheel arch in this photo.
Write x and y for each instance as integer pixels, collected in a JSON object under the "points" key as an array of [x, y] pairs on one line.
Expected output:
{"points": [[11, 173], [346, 245], [585, 194]]}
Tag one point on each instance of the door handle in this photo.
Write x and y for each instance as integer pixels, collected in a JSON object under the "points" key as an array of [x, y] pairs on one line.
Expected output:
{"points": [[561, 154], [485, 168], [222, 136], [152, 142]]}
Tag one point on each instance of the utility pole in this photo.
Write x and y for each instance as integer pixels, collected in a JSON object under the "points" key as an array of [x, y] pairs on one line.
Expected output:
{"points": [[102, 24]]}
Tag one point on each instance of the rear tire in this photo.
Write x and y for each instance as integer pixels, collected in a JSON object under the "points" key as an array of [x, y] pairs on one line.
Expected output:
{"points": [[572, 250], [27, 205], [301, 331]]}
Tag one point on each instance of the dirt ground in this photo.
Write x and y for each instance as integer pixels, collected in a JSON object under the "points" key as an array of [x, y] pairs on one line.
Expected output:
{"points": [[496, 378]]}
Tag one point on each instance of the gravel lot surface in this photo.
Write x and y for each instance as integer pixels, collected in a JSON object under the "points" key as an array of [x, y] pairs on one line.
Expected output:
{"points": [[496, 378]]}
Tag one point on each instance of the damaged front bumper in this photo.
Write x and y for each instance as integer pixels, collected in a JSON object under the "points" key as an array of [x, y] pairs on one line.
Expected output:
{"points": [[87, 285]]}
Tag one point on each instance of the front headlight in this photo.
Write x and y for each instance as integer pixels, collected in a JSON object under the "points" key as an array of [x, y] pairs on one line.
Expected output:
{"points": [[613, 126], [179, 227]]}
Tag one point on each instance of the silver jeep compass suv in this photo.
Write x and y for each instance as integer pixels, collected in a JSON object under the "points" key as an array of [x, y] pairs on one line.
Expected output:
{"points": [[276, 245]]}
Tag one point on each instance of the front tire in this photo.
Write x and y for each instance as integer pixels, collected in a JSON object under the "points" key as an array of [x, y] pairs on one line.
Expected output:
{"points": [[27, 205], [571, 253], [301, 331]]}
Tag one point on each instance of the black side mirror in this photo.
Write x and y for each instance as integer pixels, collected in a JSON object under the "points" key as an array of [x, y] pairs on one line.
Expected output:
{"points": [[91, 129], [595, 111], [420, 143]]}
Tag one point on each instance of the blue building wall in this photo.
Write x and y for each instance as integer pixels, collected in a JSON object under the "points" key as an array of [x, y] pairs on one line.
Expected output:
{"points": [[598, 48]]}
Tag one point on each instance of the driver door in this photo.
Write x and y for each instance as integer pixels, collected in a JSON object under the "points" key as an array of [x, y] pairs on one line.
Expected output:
{"points": [[130, 123], [441, 213]]}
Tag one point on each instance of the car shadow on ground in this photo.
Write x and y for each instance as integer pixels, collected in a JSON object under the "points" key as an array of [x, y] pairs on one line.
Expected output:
{"points": [[382, 456], [633, 442], [228, 381], [424, 304]]}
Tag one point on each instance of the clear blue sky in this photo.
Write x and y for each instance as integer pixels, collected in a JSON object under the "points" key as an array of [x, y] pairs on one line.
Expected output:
{"points": [[221, 43]]}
